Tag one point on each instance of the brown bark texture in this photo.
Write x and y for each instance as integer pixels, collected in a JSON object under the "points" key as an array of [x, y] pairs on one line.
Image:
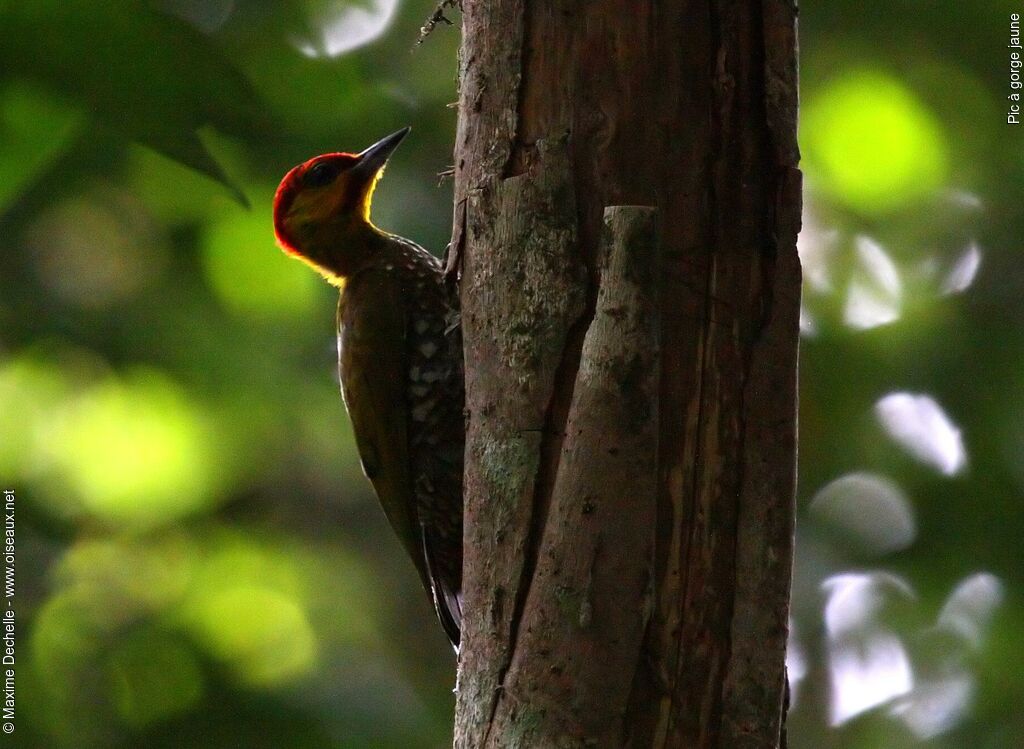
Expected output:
{"points": [[626, 211]]}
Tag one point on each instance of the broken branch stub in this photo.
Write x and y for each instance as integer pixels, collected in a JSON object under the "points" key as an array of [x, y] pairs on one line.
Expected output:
{"points": [[583, 624]]}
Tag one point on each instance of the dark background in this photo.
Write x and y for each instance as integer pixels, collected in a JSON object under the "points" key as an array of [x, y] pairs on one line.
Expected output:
{"points": [[200, 561]]}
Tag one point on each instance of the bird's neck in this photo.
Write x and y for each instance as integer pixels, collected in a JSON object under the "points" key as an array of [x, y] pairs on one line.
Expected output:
{"points": [[341, 247]]}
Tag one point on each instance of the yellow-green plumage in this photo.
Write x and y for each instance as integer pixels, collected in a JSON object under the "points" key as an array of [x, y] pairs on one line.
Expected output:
{"points": [[399, 358], [401, 377]]}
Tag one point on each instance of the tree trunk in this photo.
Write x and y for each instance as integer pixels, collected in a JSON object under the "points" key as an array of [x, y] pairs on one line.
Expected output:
{"points": [[627, 204]]}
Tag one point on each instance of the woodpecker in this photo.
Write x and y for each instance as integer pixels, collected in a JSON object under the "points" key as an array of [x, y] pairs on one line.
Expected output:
{"points": [[399, 357]]}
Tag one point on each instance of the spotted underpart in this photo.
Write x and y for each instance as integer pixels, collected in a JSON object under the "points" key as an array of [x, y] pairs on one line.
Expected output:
{"points": [[430, 354]]}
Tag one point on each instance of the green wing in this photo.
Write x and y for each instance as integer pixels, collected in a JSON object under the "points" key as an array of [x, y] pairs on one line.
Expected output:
{"points": [[372, 368]]}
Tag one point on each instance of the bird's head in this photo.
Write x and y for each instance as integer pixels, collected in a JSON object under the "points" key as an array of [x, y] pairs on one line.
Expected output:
{"points": [[322, 207]]}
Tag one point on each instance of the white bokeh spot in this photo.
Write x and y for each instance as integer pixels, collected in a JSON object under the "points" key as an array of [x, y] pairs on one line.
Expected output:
{"points": [[964, 271], [968, 610], [934, 707], [343, 27], [875, 295], [871, 510], [920, 426]]}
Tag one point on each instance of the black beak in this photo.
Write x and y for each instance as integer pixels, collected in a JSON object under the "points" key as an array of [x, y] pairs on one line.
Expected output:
{"points": [[376, 156]]}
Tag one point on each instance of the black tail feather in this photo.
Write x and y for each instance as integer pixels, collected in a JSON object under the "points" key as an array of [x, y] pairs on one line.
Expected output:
{"points": [[447, 602]]}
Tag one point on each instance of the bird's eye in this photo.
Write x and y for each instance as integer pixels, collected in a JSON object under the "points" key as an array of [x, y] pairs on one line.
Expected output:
{"points": [[321, 173]]}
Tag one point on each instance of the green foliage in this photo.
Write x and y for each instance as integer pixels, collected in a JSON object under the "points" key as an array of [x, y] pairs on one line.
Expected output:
{"points": [[124, 63]]}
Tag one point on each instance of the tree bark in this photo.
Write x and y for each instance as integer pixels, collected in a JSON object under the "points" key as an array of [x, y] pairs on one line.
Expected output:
{"points": [[626, 210]]}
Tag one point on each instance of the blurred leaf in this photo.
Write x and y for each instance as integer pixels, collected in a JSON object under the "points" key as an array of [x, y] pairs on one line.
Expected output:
{"points": [[137, 453], [872, 144], [250, 274], [152, 677], [96, 250], [261, 633], [34, 129], [148, 75], [192, 152], [28, 390]]}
